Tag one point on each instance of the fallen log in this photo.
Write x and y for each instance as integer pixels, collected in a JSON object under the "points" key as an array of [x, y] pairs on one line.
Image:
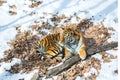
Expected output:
{"points": [[74, 59]]}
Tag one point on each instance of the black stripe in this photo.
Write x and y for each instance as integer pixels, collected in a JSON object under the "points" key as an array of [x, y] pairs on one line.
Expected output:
{"points": [[53, 56], [53, 51], [58, 47]]}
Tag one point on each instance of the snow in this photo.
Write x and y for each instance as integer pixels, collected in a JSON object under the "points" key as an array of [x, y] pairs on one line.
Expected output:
{"points": [[8, 76], [5, 36], [7, 66], [107, 69], [100, 9]]}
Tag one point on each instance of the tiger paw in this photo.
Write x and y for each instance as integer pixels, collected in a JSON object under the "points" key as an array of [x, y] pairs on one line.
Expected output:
{"points": [[82, 54]]}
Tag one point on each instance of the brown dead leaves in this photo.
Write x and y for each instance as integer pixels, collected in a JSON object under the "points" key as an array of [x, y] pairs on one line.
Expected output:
{"points": [[80, 70], [12, 9], [2, 2], [107, 57], [13, 6], [35, 4], [56, 19], [98, 33], [12, 13], [22, 46]]}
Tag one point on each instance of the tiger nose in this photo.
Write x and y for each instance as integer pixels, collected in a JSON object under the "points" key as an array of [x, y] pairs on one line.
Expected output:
{"points": [[70, 40]]}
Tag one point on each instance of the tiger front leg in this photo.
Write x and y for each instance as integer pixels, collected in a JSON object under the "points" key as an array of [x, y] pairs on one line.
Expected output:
{"points": [[67, 55], [82, 47], [82, 53]]}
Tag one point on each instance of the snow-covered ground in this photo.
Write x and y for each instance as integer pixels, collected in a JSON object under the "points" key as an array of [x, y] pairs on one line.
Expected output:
{"points": [[100, 9]]}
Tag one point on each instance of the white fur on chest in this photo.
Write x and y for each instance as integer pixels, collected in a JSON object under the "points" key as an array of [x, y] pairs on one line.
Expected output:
{"points": [[80, 45], [74, 49]]}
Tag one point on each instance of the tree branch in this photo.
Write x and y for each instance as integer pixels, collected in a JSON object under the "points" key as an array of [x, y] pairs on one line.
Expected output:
{"points": [[71, 61]]}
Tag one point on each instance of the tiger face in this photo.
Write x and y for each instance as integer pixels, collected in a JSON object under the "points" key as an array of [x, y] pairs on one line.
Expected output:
{"points": [[69, 36]]}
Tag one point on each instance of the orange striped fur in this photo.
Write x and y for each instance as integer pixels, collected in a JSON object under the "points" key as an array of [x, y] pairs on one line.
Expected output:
{"points": [[49, 47], [67, 42], [74, 42]]}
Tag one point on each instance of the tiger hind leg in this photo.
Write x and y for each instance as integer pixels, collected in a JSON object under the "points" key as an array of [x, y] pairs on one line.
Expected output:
{"points": [[54, 51]]}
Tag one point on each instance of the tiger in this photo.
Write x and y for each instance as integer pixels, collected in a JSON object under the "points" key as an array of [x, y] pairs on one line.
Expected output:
{"points": [[67, 42], [73, 42]]}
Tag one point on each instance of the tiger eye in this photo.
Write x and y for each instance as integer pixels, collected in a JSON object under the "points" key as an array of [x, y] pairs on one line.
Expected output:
{"points": [[37, 51], [72, 33]]}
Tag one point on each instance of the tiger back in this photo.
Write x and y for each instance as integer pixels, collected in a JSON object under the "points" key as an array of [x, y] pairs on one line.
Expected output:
{"points": [[49, 47]]}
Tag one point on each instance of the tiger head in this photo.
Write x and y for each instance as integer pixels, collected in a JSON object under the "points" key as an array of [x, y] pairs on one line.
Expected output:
{"points": [[69, 36], [38, 49]]}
